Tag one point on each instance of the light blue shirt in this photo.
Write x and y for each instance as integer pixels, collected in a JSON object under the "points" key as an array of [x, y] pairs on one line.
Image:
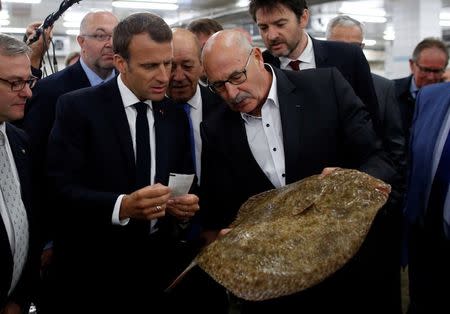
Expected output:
{"points": [[93, 78]]}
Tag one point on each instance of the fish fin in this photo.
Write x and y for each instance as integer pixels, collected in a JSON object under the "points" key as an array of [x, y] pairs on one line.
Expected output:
{"points": [[299, 211], [181, 276]]}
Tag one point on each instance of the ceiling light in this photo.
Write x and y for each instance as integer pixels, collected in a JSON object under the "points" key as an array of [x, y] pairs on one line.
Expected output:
{"points": [[4, 15], [71, 24], [369, 42], [12, 30], [4, 22], [444, 23], [22, 1], [145, 5], [74, 32], [369, 18], [242, 3]]}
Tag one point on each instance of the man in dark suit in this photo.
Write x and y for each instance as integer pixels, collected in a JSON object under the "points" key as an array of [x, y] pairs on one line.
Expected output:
{"points": [[111, 151], [18, 254], [428, 201], [184, 89], [282, 26], [282, 126], [427, 64], [94, 67], [383, 242]]}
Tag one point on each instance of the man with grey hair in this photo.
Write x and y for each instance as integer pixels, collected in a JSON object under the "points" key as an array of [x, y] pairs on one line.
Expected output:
{"points": [[111, 151], [384, 239], [18, 258]]}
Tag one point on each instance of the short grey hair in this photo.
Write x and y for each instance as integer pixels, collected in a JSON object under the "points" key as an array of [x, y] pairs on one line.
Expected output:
{"points": [[344, 21], [10, 46]]}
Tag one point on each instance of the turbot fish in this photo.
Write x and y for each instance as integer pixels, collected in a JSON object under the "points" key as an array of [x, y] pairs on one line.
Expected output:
{"points": [[291, 238]]}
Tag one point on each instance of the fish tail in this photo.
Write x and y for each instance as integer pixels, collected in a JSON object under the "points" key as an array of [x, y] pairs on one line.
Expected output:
{"points": [[181, 276]]}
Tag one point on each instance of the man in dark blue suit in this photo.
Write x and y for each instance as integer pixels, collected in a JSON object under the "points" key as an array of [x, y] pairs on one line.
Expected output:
{"points": [[427, 206], [111, 151], [282, 126], [282, 26], [18, 250]]}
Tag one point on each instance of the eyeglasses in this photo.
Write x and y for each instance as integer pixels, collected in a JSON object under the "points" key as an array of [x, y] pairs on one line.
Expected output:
{"points": [[236, 78], [430, 70], [17, 86], [99, 37]]}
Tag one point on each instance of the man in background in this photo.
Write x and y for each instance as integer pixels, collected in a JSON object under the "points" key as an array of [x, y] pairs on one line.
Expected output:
{"points": [[383, 243], [427, 65], [19, 250], [203, 29]]}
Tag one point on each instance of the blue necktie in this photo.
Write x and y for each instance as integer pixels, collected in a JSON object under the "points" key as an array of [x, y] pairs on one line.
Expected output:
{"points": [[439, 189], [187, 109], [143, 156]]}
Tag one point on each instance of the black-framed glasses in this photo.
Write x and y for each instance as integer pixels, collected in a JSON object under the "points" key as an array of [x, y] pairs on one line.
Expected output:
{"points": [[17, 86], [236, 78], [429, 70], [99, 37]]}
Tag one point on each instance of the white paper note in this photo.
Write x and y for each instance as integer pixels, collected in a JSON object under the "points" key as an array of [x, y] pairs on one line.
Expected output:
{"points": [[180, 183]]}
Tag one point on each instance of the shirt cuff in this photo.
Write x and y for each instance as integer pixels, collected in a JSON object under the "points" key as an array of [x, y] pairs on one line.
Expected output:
{"points": [[115, 215]]}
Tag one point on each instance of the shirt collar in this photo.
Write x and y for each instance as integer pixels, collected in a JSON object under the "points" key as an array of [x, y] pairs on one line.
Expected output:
{"points": [[128, 97], [93, 78], [413, 89], [271, 97], [196, 100], [307, 56]]}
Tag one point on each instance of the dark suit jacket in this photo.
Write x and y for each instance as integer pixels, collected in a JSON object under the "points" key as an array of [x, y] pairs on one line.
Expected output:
{"points": [[38, 122], [406, 104], [211, 102], [91, 162], [352, 64], [23, 291], [319, 130]]}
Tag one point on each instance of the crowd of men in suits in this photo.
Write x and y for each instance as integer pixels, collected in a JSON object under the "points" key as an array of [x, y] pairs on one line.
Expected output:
{"points": [[89, 224]]}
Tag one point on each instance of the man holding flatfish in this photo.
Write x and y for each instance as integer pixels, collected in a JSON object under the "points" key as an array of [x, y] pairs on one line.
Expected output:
{"points": [[280, 127]]}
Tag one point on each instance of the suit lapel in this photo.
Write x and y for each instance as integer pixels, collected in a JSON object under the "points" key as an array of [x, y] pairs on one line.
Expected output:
{"points": [[291, 106], [115, 111], [320, 53]]}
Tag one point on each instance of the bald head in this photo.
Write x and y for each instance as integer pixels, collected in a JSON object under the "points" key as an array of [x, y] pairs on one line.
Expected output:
{"points": [[186, 66], [93, 18], [236, 71]]}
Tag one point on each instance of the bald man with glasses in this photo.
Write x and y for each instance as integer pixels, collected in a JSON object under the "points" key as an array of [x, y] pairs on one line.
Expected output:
{"points": [[279, 127]]}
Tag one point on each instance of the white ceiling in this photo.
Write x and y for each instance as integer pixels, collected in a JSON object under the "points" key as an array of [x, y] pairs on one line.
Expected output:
{"points": [[227, 12]]}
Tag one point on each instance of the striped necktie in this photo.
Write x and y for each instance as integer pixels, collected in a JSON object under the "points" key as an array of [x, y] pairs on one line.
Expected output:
{"points": [[295, 65]]}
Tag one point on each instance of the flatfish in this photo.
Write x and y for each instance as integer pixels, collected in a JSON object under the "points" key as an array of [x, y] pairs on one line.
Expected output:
{"points": [[291, 238]]}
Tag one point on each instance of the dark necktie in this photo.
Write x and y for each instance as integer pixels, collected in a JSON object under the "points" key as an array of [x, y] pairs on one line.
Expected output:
{"points": [[439, 188], [16, 212], [187, 109], [295, 65], [143, 156]]}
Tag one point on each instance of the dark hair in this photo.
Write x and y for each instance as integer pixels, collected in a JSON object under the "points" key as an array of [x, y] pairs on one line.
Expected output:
{"points": [[296, 6], [136, 24], [204, 26], [429, 42]]}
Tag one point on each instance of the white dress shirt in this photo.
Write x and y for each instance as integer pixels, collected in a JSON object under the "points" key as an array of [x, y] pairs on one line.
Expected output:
{"points": [[196, 113], [307, 60], [265, 137], [128, 100]]}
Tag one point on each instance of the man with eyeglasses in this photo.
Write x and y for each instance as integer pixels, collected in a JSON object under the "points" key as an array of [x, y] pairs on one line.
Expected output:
{"points": [[280, 127], [427, 64], [19, 250], [94, 67]]}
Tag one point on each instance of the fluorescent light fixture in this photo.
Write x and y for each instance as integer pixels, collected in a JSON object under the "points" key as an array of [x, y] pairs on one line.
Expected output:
{"points": [[4, 15], [444, 15], [369, 42], [74, 16], [12, 30], [71, 24], [445, 23], [242, 3], [369, 7], [4, 22], [145, 5], [73, 32], [389, 33], [22, 1]]}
